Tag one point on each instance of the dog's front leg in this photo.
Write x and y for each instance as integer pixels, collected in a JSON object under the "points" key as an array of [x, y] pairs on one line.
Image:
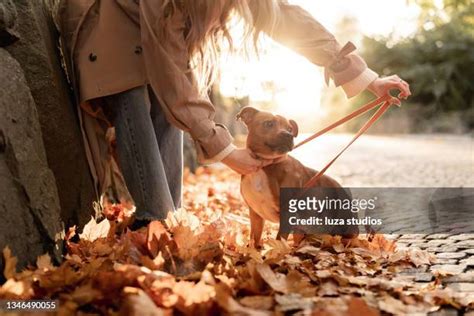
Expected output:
{"points": [[256, 228]]}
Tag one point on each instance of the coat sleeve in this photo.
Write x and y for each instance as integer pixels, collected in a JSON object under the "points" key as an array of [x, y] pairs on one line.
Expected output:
{"points": [[299, 31], [166, 60]]}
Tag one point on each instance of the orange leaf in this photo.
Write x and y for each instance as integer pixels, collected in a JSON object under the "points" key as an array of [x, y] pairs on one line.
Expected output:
{"points": [[155, 231], [358, 306]]}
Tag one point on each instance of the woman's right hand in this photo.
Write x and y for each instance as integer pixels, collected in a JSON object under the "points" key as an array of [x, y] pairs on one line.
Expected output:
{"points": [[242, 161]]}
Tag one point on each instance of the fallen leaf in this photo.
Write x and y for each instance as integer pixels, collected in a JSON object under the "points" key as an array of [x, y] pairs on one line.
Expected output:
{"points": [[358, 306], [258, 302], [328, 288], [155, 231], [277, 249], [308, 249], [297, 282], [276, 281], [419, 257], [293, 302], [93, 230], [230, 305], [85, 294], [140, 304]]}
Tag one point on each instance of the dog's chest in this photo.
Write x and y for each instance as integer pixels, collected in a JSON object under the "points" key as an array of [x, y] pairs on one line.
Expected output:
{"points": [[256, 191]]}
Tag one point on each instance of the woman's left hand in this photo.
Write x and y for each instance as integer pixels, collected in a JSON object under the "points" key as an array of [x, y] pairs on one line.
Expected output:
{"points": [[382, 86]]}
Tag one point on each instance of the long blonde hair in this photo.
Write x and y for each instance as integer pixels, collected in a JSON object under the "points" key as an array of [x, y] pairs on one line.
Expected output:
{"points": [[208, 28]]}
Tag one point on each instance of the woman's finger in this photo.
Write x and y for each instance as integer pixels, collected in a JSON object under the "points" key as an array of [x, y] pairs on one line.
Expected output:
{"points": [[396, 101], [395, 78], [403, 86], [405, 91], [400, 85], [407, 87]]}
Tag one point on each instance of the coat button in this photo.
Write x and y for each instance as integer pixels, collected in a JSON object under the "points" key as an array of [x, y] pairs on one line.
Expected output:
{"points": [[92, 57], [138, 50]]}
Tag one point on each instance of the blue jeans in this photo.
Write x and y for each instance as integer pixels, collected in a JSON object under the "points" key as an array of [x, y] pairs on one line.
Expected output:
{"points": [[150, 153]]}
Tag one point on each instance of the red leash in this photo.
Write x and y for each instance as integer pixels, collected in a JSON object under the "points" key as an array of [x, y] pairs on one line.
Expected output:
{"points": [[384, 103]]}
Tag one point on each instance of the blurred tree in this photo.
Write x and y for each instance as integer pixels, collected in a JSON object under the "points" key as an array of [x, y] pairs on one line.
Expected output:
{"points": [[437, 60]]}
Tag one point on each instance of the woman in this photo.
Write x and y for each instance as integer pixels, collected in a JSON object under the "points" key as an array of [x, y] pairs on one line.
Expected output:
{"points": [[144, 67]]}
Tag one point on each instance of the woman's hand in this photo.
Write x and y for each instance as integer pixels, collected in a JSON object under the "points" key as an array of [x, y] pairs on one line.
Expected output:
{"points": [[242, 161], [382, 86]]}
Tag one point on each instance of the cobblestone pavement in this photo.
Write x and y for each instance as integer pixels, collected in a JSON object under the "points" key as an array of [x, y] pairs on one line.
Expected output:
{"points": [[395, 161], [409, 161]]}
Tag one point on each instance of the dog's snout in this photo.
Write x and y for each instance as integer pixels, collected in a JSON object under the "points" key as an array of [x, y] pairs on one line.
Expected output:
{"points": [[286, 141], [286, 135]]}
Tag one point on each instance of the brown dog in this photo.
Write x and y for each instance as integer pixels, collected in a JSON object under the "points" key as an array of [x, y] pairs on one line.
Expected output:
{"points": [[271, 137]]}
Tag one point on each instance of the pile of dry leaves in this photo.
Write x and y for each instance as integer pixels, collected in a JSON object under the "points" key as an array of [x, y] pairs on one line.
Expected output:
{"points": [[200, 264]]}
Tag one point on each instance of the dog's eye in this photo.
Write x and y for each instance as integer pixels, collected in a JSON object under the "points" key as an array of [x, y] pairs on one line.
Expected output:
{"points": [[268, 124]]}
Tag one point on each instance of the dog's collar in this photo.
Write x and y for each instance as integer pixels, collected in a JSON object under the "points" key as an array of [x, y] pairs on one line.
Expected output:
{"points": [[275, 160]]}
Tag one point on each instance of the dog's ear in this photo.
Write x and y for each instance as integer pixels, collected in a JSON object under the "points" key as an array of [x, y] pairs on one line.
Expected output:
{"points": [[294, 128], [246, 114]]}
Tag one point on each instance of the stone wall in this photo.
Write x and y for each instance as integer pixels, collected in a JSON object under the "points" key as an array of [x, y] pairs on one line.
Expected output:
{"points": [[44, 179], [37, 52]]}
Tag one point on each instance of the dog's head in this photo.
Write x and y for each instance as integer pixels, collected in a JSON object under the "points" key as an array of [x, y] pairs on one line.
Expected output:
{"points": [[270, 136]]}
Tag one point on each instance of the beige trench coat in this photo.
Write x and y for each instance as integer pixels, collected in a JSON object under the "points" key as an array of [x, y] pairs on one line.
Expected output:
{"points": [[113, 45]]}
